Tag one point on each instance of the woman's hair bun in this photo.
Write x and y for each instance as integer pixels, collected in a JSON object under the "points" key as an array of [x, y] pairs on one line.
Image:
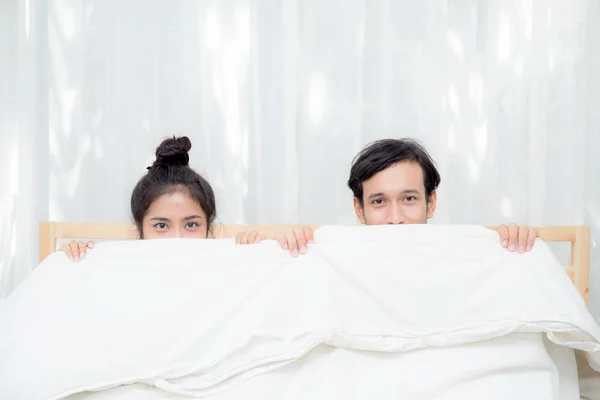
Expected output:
{"points": [[173, 151]]}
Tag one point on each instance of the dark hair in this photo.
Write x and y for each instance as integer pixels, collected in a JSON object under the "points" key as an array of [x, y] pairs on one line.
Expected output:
{"points": [[170, 172], [384, 153]]}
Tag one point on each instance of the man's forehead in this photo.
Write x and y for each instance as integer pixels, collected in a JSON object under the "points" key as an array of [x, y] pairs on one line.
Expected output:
{"points": [[398, 177]]}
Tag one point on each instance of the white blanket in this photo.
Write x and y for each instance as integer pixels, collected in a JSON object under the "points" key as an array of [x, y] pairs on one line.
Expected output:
{"points": [[199, 318]]}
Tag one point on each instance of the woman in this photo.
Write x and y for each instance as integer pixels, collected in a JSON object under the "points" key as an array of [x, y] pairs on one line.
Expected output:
{"points": [[170, 201]]}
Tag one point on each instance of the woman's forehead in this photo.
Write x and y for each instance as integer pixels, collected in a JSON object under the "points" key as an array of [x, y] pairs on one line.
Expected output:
{"points": [[175, 204]]}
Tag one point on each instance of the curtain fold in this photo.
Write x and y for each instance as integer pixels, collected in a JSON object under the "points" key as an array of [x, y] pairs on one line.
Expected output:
{"points": [[277, 97]]}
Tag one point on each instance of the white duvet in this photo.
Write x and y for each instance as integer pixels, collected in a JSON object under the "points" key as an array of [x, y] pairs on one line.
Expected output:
{"points": [[418, 312]]}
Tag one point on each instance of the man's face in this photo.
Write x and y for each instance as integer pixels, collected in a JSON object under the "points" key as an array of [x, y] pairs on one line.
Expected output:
{"points": [[395, 195]]}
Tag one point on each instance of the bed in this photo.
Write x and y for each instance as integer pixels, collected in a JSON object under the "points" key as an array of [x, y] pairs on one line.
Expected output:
{"points": [[366, 313], [50, 232]]}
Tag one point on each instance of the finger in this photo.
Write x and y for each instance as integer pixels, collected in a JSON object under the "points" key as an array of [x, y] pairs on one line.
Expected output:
{"points": [[82, 249], [522, 238], [533, 234], [503, 233], [90, 244], [244, 239], [238, 237], [74, 250], [66, 248], [513, 232], [292, 243], [301, 240], [309, 234], [282, 240], [252, 237], [257, 238]]}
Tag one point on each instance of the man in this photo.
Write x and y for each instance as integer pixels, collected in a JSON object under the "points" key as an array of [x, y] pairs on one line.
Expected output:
{"points": [[394, 181]]}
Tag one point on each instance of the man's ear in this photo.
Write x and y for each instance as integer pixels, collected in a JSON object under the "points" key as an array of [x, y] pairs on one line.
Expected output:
{"points": [[359, 210], [431, 203]]}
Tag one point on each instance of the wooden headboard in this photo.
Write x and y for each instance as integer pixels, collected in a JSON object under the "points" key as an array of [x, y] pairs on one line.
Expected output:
{"points": [[50, 232]]}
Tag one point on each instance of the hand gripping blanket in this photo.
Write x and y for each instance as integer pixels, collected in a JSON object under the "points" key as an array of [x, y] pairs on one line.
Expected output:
{"points": [[421, 311]]}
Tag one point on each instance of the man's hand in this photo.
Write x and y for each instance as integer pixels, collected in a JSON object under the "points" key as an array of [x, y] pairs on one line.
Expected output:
{"points": [[517, 238]]}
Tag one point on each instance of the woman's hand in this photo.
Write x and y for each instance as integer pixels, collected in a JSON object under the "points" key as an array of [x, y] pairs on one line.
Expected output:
{"points": [[249, 237], [76, 250], [296, 240]]}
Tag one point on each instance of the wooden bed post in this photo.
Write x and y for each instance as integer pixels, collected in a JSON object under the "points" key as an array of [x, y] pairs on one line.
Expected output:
{"points": [[580, 257], [47, 239]]}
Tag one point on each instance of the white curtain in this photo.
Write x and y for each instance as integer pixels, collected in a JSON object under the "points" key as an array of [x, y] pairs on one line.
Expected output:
{"points": [[277, 96]]}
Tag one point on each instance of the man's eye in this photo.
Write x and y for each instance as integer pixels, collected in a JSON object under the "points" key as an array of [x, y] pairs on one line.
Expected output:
{"points": [[161, 225], [411, 198], [377, 202]]}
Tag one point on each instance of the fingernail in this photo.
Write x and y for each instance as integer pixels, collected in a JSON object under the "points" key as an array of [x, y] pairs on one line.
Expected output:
{"points": [[303, 249], [295, 253], [513, 247], [285, 246], [505, 243], [521, 249], [528, 248], [310, 241], [76, 258], [82, 256]]}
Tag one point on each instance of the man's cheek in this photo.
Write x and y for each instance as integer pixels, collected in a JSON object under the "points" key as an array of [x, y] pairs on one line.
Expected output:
{"points": [[375, 217]]}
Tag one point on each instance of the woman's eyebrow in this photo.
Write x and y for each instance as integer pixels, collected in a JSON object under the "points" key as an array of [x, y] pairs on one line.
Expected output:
{"points": [[192, 217]]}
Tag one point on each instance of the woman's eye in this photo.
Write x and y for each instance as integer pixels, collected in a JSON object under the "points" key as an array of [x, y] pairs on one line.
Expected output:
{"points": [[192, 225], [161, 225]]}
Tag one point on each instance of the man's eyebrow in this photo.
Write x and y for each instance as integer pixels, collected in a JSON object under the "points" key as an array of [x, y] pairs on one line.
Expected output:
{"points": [[373, 195], [407, 191]]}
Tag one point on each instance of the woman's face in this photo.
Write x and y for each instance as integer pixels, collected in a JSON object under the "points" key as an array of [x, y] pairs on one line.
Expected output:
{"points": [[175, 215]]}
